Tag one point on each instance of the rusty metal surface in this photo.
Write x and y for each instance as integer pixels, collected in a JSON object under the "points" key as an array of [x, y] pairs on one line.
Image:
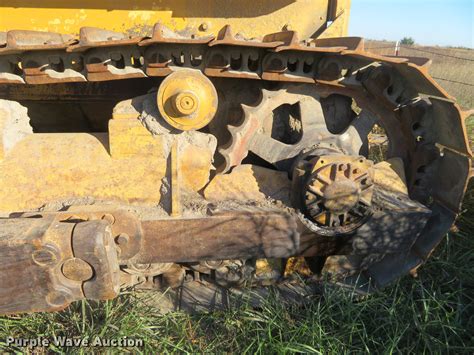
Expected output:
{"points": [[337, 191], [93, 243], [107, 55], [17, 41], [90, 37], [162, 34], [350, 43], [291, 42], [125, 227], [46, 264], [226, 37], [226, 236], [254, 133]]}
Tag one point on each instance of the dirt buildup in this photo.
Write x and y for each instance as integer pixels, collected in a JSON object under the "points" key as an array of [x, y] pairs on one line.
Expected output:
{"points": [[250, 182], [14, 123], [64, 204], [151, 117]]}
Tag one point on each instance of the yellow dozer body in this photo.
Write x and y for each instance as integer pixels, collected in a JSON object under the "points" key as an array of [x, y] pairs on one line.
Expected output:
{"points": [[109, 164], [207, 145], [251, 19]]}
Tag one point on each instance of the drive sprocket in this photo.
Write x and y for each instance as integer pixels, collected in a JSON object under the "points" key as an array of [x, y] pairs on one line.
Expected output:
{"points": [[288, 120]]}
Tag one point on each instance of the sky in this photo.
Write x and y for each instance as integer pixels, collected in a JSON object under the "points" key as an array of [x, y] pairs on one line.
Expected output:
{"points": [[428, 22]]}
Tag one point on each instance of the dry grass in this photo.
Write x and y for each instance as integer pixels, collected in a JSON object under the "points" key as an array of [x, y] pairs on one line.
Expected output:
{"points": [[447, 64]]}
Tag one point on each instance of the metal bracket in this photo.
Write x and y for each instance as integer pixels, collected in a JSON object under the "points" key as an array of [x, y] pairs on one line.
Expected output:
{"points": [[46, 264]]}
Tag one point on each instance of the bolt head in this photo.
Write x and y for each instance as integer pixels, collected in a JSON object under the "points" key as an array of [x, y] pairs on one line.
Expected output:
{"points": [[109, 218], [186, 103], [77, 270], [122, 239], [46, 257], [58, 298]]}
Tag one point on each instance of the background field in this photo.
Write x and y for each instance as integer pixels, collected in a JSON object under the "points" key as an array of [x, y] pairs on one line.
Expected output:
{"points": [[453, 68], [432, 313]]}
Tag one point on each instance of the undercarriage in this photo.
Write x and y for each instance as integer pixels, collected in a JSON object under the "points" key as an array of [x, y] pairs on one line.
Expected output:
{"points": [[203, 163]]}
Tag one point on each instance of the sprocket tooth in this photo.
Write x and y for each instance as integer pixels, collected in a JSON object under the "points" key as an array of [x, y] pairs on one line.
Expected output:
{"points": [[238, 148], [247, 136], [233, 129], [231, 160], [225, 153], [248, 110]]}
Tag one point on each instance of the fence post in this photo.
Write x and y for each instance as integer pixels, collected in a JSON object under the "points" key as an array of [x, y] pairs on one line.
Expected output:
{"points": [[397, 48]]}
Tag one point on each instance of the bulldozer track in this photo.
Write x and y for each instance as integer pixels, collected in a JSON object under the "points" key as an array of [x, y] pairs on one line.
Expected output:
{"points": [[29, 57], [424, 125]]}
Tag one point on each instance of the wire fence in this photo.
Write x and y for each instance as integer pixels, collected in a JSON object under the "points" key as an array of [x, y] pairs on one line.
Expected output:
{"points": [[437, 53], [427, 51], [453, 81]]}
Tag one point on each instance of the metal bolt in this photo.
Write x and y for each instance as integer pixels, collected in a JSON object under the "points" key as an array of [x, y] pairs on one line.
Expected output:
{"points": [[204, 26], [186, 103], [122, 239], [77, 270], [109, 218], [44, 257], [57, 298]]}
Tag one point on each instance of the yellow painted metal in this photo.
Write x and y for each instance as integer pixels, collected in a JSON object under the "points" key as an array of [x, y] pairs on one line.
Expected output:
{"points": [[338, 27], [187, 100], [250, 182], [248, 17], [43, 168], [390, 176], [128, 138], [128, 163], [3, 121], [175, 181]]}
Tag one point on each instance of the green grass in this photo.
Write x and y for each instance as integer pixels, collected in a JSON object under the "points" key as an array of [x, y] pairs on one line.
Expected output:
{"points": [[433, 313]]}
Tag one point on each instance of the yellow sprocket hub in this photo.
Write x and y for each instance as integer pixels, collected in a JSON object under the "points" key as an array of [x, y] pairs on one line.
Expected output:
{"points": [[187, 100]]}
